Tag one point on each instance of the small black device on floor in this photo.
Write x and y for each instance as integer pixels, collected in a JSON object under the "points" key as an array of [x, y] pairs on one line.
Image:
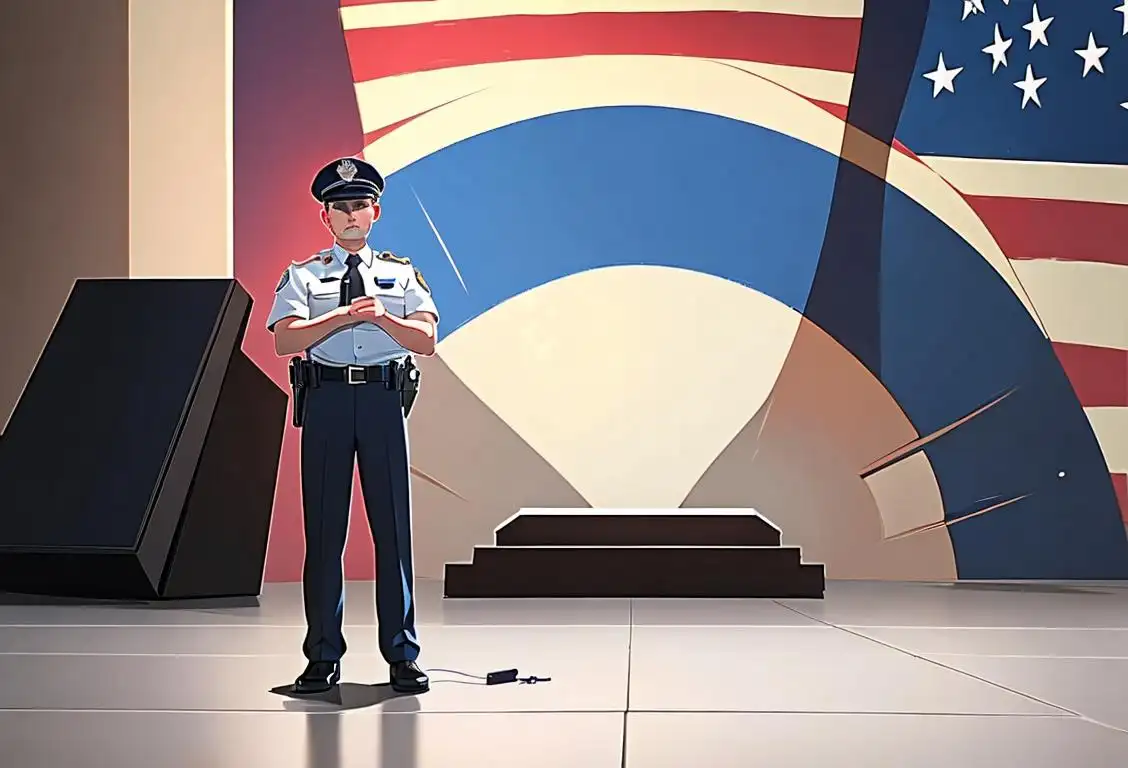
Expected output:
{"points": [[499, 677], [510, 676]]}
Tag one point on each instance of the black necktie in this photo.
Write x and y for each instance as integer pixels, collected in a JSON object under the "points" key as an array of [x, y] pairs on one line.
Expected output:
{"points": [[352, 287]]}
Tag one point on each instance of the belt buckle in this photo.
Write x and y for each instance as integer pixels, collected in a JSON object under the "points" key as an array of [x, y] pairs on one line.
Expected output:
{"points": [[355, 374]]}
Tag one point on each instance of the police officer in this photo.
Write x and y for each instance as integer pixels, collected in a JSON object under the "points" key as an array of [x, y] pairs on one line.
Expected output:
{"points": [[356, 315]]}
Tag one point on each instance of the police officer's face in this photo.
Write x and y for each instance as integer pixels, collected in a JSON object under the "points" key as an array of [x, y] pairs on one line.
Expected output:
{"points": [[350, 219]]}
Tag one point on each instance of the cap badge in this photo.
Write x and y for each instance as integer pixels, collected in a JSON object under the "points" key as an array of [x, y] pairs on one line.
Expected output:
{"points": [[346, 169]]}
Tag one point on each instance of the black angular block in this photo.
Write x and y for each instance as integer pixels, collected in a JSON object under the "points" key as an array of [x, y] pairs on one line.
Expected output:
{"points": [[140, 462]]}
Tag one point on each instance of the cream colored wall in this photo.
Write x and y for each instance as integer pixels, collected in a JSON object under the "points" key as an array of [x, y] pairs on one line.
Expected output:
{"points": [[155, 90], [66, 116], [180, 137]]}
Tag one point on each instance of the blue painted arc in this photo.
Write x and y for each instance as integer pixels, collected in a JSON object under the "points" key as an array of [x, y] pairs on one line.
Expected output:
{"points": [[536, 201], [532, 202]]}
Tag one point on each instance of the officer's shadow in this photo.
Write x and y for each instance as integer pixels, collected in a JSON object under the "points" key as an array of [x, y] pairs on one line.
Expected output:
{"points": [[341, 697], [325, 747], [345, 696]]}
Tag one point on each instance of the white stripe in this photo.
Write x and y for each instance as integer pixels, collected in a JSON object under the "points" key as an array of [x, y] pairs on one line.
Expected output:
{"points": [[442, 243], [1110, 425], [388, 100], [819, 84], [1079, 302], [1084, 182], [430, 11], [562, 85]]}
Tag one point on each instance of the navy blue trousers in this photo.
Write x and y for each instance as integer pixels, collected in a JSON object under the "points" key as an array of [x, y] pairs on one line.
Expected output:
{"points": [[365, 422]]}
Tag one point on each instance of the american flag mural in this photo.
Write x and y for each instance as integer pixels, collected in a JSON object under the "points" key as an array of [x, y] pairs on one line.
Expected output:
{"points": [[937, 190], [1023, 107]]}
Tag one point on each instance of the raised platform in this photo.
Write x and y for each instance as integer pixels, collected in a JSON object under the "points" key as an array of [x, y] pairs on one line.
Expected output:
{"points": [[642, 528], [636, 553]]}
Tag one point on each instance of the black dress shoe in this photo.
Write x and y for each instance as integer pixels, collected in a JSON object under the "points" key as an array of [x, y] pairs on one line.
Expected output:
{"points": [[319, 677], [407, 677]]}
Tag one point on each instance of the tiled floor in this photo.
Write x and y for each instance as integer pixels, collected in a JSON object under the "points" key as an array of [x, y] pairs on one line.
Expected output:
{"points": [[897, 675]]}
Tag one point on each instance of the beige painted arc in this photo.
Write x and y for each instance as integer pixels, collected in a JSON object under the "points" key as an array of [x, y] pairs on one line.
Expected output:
{"points": [[629, 405], [701, 85], [389, 100], [819, 84], [800, 459], [907, 495], [395, 14]]}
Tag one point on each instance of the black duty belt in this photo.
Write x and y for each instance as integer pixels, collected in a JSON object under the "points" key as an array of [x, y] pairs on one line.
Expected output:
{"points": [[356, 374]]}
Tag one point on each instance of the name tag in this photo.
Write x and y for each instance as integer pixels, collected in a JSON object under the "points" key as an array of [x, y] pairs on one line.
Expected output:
{"points": [[390, 292]]}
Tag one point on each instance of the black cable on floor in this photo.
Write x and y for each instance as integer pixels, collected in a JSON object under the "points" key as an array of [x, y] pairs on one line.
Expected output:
{"points": [[499, 677]]}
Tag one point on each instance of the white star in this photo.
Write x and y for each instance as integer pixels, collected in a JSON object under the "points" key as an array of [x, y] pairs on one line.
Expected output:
{"points": [[943, 79], [1122, 9], [975, 6], [1124, 104], [1037, 28], [998, 49], [1030, 86], [1092, 56]]}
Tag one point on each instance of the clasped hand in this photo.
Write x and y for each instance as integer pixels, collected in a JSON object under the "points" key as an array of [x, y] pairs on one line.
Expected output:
{"points": [[366, 309]]}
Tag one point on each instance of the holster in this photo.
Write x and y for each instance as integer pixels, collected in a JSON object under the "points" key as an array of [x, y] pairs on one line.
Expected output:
{"points": [[301, 379], [408, 377]]}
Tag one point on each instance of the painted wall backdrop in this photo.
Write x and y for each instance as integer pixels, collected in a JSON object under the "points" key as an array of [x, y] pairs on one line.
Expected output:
{"points": [[859, 266]]}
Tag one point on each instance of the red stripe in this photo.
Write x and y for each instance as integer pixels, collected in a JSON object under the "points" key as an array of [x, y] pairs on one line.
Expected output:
{"points": [[838, 110], [1056, 229], [1120, 484], [371, 136], [802, 41], [1099, 375]]}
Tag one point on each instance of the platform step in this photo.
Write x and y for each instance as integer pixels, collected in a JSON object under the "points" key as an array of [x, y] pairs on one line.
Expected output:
{"points": [[637, 528], [646, 571]]}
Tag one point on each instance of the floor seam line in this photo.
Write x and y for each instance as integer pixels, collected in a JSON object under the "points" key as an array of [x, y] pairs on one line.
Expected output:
{"points": [[627, 703], [933, 662]]}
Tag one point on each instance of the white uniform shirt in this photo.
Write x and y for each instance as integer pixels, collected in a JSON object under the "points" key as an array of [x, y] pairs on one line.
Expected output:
{"points": [[313, 288]]}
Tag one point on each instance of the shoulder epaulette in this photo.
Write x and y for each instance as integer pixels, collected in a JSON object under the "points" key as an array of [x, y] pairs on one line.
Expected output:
{"points": [[389, 256]]}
